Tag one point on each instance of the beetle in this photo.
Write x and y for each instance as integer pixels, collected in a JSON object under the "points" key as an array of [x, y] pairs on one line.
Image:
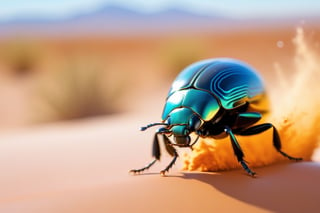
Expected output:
{"points": [[215, 98]]}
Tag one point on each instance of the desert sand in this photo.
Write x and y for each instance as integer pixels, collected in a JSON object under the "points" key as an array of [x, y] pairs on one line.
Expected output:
{"points": [[84, 168]]}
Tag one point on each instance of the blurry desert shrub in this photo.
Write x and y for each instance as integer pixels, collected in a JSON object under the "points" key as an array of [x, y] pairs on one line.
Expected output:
{"points": [[20, 56], [176, 54], [79, 91]]}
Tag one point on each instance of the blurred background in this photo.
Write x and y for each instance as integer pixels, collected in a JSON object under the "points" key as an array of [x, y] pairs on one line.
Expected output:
{"points": [[74, 59]]}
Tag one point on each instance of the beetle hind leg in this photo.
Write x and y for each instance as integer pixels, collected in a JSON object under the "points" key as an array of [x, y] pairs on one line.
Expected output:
{"points": [[277, 145], [276, 138]]}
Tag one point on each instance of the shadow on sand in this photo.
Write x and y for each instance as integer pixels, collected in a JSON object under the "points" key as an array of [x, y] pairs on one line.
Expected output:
{"points": [[285, 187]]}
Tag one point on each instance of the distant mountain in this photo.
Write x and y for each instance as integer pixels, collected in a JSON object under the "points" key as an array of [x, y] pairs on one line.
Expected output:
{"points": [[110, 20], [118, 21]]}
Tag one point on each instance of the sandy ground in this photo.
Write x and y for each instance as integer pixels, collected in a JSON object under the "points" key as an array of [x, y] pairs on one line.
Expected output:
{"points": [[83, 167]]}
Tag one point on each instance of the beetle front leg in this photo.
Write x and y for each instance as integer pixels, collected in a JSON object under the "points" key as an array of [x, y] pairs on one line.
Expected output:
{"points": [[137, 171], [172, 151], [163, 172], [155, 153], [238, 151]]}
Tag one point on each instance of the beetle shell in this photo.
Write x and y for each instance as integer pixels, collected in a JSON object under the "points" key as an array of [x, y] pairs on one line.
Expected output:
{"points": [[206, 86]]}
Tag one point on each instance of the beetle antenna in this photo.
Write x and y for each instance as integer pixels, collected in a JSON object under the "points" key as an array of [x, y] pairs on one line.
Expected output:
{"points": [[151, 125]]}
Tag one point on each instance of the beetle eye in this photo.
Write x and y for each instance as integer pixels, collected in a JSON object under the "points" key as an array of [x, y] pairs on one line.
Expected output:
{"points": [[194, 123]]}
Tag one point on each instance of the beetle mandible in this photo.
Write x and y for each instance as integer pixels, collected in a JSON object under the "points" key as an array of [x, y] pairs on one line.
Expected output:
{"points": [[215, 98]]}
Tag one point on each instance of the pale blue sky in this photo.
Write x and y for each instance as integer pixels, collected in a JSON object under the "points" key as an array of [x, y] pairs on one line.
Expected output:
{"points": [[234, 8]]}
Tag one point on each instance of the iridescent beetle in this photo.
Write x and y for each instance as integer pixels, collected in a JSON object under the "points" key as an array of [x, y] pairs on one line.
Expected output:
{"points": [[213, 98]]}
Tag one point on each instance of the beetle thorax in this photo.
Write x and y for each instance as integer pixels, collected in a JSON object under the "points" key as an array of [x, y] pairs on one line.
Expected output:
{"points": [[183, 121]]}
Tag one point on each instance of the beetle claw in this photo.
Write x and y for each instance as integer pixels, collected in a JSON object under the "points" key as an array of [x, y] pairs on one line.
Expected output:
{"points": [[163, 173], [289, 157], [247, 169], [253, 174], [134, 171]]}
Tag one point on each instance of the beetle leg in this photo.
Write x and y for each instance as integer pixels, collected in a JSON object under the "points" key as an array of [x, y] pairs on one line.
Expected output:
{"points": [[238, 151], [155, 153], [135, 171], [163, 172], [276, 139], [172, 151], [168, 145], [245, 119]]}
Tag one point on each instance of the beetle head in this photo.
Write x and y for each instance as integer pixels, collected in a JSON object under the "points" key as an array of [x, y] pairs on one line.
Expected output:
{"points": [[180, 123]]}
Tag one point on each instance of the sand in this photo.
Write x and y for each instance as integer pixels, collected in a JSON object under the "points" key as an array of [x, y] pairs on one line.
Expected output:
{"points": [[83, 167]]}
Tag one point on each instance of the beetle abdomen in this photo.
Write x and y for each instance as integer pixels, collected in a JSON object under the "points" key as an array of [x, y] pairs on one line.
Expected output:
{"points": [[231, 81]]}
